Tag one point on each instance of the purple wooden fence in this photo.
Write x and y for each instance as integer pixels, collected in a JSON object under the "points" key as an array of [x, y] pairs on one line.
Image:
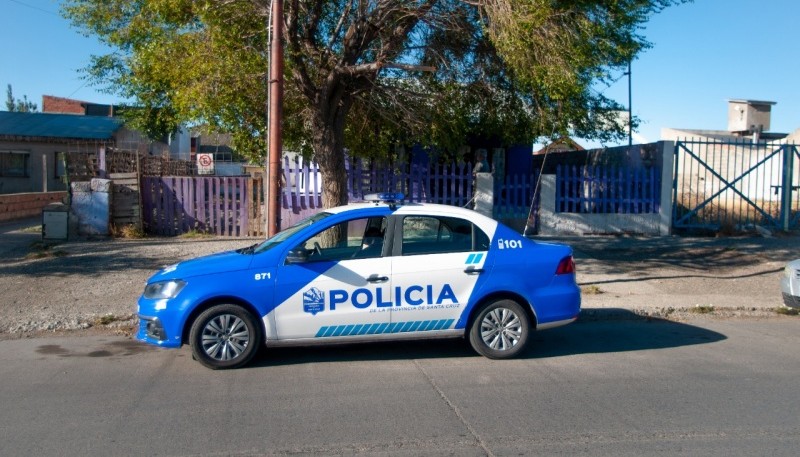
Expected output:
{"points": [[449, 184], [607, 190], [216, 205]]}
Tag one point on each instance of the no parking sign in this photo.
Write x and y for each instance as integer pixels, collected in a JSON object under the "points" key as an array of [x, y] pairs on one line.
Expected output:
{"points": [[205, 164]]}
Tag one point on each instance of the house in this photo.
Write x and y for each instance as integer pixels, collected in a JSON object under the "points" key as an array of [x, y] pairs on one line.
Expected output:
{"points": [[60, 105], [748, 121], [33, 147], [563, 144], [183, 144]]}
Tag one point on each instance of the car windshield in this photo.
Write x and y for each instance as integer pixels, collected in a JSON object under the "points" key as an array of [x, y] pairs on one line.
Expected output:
{"points": [[281, 236]]}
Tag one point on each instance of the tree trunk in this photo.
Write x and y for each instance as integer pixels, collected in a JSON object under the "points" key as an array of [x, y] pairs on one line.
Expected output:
{"points": [[328, 143]]}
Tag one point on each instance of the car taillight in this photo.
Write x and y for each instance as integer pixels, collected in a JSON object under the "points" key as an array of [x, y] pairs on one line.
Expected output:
{"points": [[566, 266]]}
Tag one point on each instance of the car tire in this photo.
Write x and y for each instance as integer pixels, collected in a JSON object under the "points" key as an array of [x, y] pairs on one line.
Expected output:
{"points": [[225, 336], [500, 330]]}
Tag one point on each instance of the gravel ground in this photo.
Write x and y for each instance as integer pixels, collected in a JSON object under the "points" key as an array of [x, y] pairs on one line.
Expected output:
{"points": [[681, 277], [83, 284], [93, 285]]}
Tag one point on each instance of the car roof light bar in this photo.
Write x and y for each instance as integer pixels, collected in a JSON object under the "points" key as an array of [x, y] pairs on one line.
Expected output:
{"points": [[385, 197]]}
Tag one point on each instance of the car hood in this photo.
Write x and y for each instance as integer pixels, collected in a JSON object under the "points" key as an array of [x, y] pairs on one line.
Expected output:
{"points": [[200, 266]]}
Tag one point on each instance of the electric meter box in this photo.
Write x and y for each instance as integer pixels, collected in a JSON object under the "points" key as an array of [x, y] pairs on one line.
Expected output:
{"points": [[55, 222]]}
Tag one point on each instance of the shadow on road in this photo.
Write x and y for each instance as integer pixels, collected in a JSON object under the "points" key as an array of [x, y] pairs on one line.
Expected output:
{"points": [[623, 331], [607, 331]]}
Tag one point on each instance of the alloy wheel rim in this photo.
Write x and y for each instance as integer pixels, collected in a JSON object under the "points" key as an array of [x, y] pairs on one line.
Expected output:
{"points": [[501, 329], [225, 337]]}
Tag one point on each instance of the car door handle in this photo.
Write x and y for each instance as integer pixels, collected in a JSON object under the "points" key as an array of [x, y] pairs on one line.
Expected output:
{"points": [[376, 278], [473, 271]]}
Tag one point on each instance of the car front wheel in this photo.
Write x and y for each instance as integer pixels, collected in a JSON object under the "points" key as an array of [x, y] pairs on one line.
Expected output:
{"points": [[224, 336], [500, 330]]}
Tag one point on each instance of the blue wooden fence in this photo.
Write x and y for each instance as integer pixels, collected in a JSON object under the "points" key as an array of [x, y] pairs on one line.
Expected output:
{"points": [[608, 190], [512, 196], [447, 184]]}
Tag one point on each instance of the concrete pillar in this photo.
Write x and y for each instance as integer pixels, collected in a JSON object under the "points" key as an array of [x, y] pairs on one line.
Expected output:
{"points": [[484, 194], [547, 206], [101, 162], [667, 176], [44, 172]]}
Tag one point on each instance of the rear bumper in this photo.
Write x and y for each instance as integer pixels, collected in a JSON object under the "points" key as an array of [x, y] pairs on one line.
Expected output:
{"points": [[556, 323]]}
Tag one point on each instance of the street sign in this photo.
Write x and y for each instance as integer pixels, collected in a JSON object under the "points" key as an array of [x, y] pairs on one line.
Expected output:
{"points": [[205, 164]]}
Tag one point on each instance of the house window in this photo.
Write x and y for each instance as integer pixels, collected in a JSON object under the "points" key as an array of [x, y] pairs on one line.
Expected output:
{"points": [[60, 163], [14, 164]]}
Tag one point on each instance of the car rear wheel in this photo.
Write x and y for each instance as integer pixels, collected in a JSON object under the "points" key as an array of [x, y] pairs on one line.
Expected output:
{"points": [[500, 330], [224, 336]]}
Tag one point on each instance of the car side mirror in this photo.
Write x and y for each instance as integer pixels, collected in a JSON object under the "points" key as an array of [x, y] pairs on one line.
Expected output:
{"points": [[298, 255]]}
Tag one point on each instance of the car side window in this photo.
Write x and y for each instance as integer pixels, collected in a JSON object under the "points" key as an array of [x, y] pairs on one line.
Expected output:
{"points": [[436, 235], [353, 239]]}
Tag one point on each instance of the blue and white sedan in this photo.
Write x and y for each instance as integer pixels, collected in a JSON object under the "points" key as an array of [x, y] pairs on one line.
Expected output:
{"points": [[380, 270]]}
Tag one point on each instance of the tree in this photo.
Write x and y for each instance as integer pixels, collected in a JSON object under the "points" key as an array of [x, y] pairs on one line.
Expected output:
{"points": [[22, 106], [368, 74]]}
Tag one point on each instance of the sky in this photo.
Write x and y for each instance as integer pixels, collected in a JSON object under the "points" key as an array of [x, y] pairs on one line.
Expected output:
{"points": [[703, 54]]}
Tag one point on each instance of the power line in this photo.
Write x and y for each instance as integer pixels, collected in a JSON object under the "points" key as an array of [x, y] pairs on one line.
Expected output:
{"points": [[76, 90], [34, 7]]}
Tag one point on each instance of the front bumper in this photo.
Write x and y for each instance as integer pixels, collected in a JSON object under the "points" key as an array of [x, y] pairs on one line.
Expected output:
{"points": [[160, 322], [152, 331]]}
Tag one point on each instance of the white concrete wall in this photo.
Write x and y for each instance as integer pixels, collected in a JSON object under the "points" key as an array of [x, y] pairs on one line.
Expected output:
{"points": [[91, 206], [555, 223]]}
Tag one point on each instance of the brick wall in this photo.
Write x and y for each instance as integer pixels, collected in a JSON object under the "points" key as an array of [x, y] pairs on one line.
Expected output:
{"points": [[52, 104], [20, 206]]}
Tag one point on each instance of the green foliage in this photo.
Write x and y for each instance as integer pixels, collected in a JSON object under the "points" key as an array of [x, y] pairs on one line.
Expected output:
{"points": [[23, 106], [559, 49], [369, 76], [182, 61]]}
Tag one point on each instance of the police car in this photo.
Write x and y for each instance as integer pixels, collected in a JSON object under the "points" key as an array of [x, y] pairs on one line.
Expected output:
{"points": [[378, 270]]}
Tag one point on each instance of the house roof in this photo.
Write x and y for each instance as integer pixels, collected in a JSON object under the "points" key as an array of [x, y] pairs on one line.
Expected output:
{"points": [[563, 144], [57, 126]]}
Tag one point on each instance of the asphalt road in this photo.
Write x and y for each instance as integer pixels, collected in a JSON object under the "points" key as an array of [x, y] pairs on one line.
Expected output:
{"points": [[622, 387]]}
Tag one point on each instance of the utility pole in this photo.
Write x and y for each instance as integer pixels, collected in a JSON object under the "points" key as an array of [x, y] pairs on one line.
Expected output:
{"points": [[275, 119], [630, 109]]}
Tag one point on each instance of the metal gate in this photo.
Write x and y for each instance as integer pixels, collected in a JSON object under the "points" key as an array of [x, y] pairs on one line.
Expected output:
{"points": [[736, 185]]}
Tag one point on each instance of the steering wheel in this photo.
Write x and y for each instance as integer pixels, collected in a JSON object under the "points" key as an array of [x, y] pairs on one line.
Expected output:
{"points": [[317, 249]]}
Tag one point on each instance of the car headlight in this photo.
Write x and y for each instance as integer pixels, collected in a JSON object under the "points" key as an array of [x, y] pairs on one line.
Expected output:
{"points": [[788, 272], [164, 289]]}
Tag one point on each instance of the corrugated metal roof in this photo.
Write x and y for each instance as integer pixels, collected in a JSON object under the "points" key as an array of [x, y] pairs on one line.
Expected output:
{"points": [[66, 126]]}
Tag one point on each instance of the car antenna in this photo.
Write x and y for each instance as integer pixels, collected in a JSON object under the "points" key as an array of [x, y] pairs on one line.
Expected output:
{"points": [[536, 191]]}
